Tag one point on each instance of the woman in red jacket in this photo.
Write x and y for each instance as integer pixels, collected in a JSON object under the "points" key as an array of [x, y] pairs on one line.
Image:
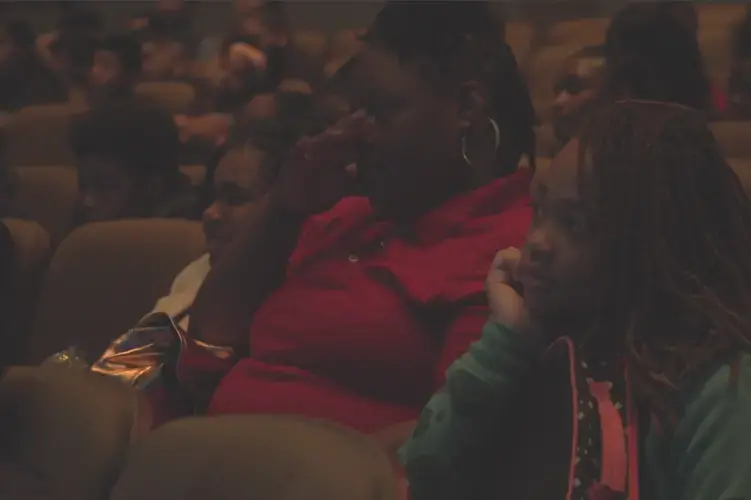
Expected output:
{"points": [[352, 307]]}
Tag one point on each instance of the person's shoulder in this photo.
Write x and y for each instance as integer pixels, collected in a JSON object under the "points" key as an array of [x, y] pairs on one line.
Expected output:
{"points": [[324, 230]]}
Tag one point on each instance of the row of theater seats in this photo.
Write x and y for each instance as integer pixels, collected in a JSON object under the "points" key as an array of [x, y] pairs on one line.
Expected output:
{"points": [[96, 284], [46, 194], [25, 129], [69, 435]]}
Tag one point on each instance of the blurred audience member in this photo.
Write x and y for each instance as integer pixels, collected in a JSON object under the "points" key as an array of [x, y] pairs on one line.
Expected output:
{"points": [[255, 57], [242, 66], [652, 53], [79, 20], [116, 69], [164, 56], [71, 58], [127, 157], [24, 77], [172, 18], [332, 99], [76, 21], [242, 178], [333, 286], [576, 90]]}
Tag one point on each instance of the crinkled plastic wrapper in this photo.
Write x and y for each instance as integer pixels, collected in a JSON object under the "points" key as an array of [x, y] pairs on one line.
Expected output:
{"points": [[156, 352], [139, 356]]}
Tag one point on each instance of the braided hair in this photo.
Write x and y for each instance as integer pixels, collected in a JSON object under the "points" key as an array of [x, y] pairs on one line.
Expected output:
{"points": [[453, 42], [675, 232]]}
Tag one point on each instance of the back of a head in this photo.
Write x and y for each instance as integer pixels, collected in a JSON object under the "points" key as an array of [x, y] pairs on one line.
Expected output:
{"points": [[653, 54], [141, 138], [159, 28], [127, 48], [78, 52], [79, 20], [456, 42]]}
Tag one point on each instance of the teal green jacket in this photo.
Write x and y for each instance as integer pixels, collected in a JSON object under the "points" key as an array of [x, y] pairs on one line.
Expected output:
{"points": [[707, 455]]}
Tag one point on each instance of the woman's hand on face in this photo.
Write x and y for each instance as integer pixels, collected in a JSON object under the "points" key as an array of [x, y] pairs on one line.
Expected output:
{"points": [[502, 286], [320, 168]]}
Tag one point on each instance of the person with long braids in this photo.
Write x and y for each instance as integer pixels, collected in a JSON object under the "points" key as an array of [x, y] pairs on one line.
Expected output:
{"points": [[351, 307], [639, 251]]}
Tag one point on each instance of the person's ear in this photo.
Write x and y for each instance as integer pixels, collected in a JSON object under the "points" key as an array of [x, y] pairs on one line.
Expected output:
{"points": [[473, 103]]}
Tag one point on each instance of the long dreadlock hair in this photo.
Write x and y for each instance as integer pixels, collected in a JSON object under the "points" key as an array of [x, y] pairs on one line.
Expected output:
{"points": [[675, 234], [453, 42]]}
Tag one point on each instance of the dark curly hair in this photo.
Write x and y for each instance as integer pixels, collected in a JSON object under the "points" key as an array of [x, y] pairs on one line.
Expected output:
{"points": [[452, 42], [652, 53], [142, 138], [674, 235]]}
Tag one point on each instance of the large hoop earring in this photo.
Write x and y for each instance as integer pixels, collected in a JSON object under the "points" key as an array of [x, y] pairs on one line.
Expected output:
{"points": [[496, 137]]}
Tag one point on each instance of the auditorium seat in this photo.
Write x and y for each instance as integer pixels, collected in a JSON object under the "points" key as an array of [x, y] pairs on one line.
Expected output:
{"points": [[256, 456], [38, 135], [579, 32], [32, 252], [66, 432], [717, 23], [734, 137], [196, 173], [311, 46], [520, 36], [104, 277], [175, 97], [742, 168], [46, 194]]}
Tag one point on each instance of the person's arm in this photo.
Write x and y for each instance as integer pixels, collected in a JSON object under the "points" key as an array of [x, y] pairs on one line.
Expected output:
{"points": [[454, 436], [710, 447], [253, 266]]}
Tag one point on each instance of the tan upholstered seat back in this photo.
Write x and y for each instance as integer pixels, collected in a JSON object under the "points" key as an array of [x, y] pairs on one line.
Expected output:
{"points": [[742, 168], [105, 276], [68, 430], [174, 97], [38, 135], [47, 194], [32, 252], [733, 137], [256, 457]]}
